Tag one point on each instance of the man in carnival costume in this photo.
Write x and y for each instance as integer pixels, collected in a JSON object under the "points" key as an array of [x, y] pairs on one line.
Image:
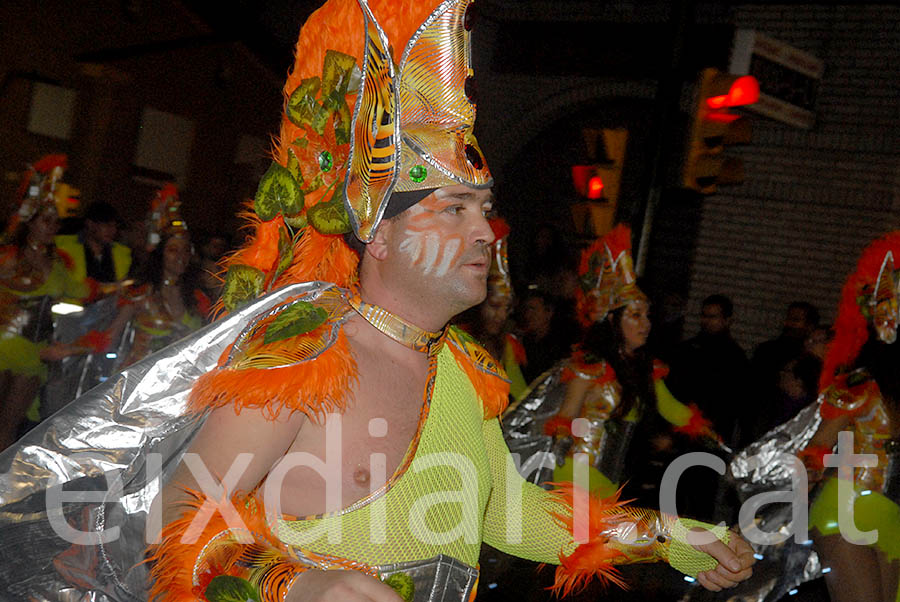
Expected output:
{"points": [[349, 426], [313, 379]]}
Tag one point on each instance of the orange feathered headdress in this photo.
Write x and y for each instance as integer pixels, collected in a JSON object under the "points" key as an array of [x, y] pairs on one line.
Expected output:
{"points": [[165, 216], [873, 281], [41, 188], [359, 124], [606, 276]]}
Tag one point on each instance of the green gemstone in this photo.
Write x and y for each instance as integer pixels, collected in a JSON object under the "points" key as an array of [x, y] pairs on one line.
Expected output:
{"points": [[418, 173], [326, 161]]}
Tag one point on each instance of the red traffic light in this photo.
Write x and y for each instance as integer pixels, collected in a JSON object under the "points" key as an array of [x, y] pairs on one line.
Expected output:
{"points": [[595, 187], [743, 91], [588, 182]]}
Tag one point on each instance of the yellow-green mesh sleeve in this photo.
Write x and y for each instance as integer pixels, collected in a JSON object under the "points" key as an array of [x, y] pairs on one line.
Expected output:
{"points": [[670, 408], [517, 518]]}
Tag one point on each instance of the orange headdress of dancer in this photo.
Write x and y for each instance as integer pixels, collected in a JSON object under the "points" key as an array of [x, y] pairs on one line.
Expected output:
{"points": [[365, 134]]}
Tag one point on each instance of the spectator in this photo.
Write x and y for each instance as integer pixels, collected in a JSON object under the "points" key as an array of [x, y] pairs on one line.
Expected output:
{"points": [[712, 370], [547, 332], [771, 357], [211, 251], [551, 266], [94, 251]]}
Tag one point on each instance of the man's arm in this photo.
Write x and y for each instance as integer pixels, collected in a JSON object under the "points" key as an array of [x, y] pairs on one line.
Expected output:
{"points": [[217, 447], [518, 503], [222, 438]]}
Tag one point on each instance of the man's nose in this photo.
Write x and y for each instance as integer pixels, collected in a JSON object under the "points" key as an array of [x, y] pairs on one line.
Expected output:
{"points": [[482, 231]]}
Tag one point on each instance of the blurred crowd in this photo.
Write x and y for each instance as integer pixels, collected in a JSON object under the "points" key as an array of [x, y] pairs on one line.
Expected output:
{"points": [[84, 294], [743, 393]]}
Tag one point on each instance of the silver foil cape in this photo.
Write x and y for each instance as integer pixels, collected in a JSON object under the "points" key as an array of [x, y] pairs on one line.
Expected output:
{"points": [[760, 468], [133, 428], [105, 456], [523, 425]]}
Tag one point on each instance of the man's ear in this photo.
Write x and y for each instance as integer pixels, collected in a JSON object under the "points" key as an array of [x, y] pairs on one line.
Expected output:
{"points": [[378, 248]]}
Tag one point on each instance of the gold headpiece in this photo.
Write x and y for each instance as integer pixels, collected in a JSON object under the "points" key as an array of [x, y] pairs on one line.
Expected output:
{"points": [[361, 130], [165, 217], [499, 283], [42, 188], [606, 275]]}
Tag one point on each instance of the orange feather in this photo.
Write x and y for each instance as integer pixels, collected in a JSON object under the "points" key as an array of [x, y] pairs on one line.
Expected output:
{"points": [[315, 388], [851, 327], [593, 559]]}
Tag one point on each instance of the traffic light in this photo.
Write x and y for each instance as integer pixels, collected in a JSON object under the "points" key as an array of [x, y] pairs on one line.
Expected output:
{"points": [[599, 182], [713, 127]]}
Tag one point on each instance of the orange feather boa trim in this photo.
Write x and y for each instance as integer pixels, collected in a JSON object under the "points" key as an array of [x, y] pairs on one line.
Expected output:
{"points": [[173, 560], [594, 558], [316, 387], [493, 390]]}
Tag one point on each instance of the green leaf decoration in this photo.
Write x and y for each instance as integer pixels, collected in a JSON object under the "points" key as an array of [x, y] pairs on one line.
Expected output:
{"points": [[402, 584], [315, 184], [320, 118], [336, 103], [296, 223], [285, 252], [301, 317], [330, 217], [226, 588], [337, 72], [293, 164], [302, 106], [278, 192], [243, 283]]}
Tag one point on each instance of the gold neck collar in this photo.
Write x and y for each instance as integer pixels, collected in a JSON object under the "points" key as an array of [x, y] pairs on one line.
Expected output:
{"points": [[397, 328]]}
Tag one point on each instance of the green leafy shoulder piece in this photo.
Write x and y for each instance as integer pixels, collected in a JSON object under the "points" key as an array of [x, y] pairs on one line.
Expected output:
{"points": [[292, 356]]}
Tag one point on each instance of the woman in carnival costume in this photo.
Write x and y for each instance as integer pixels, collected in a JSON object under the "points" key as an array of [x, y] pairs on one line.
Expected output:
{"points": [[488, 322], [34, 274], [611, 381], [169, 304], [860, 393]]}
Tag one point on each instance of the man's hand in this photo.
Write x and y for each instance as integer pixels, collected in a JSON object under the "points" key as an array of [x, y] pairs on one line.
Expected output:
{"points": [[350, 586], [735, 561]]}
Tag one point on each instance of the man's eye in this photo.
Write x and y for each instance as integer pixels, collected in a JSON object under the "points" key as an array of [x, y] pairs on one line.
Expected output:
{"points": [[453, 209]]}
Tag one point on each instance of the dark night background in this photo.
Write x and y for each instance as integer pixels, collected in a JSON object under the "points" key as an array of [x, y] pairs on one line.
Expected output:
{"points": [[545, 72]]}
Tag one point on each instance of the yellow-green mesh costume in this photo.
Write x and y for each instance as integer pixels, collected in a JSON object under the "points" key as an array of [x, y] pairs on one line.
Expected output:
{"points": [[459, 488], [453, 496]]}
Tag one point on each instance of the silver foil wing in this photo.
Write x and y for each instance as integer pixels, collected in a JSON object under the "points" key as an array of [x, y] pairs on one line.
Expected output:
{"points": [[523, 425], [761, 466], [765, 466], [75, 492]]}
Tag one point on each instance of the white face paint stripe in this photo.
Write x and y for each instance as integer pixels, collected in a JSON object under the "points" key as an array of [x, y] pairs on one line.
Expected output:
{"points": [[449, 255], [432, 248], [412, 245]]}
